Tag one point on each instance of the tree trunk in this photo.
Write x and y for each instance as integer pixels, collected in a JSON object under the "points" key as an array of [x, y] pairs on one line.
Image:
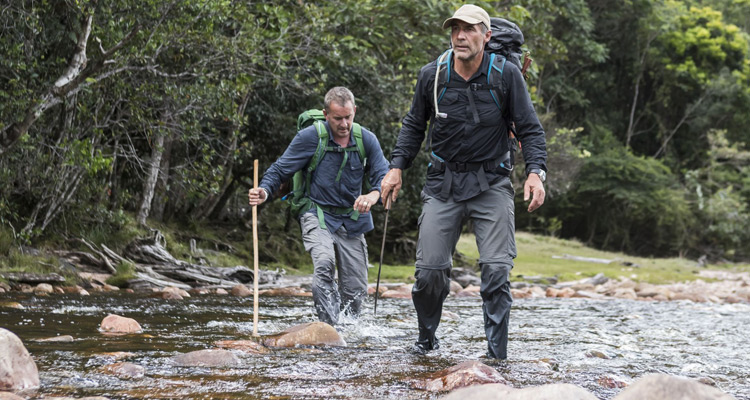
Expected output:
{"points": [[161, 193], [157, 150]]}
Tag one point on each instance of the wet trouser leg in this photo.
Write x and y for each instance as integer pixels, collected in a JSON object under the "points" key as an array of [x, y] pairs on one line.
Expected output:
{"points": [[496, 302], [323, 247], [319, 243], [428, 294], [352, 257], [492, 214], [439, 229]]}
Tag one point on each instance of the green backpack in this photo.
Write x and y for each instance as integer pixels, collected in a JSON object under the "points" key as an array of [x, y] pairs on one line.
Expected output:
{"points": [[299, 195]]}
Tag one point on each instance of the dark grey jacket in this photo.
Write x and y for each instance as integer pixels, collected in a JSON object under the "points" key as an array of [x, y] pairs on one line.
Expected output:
{"points": [[459, 139]]}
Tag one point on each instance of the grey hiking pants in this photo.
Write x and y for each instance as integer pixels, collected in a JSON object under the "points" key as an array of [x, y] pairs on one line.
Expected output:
{"points": [[492, 214], [329, 297]]}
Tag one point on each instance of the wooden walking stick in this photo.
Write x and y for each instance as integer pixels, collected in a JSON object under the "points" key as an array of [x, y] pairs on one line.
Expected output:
{"points": [[256, 274]]}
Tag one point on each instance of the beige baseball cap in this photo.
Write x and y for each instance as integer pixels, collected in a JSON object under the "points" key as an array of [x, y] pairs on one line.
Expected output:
{"points": [[470, 14]]}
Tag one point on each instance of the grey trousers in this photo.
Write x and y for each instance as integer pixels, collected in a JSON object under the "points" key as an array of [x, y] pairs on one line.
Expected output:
{"points": [[331, 298], [493, 216]]}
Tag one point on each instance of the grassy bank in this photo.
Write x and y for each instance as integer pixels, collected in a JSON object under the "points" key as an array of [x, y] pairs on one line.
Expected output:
{"points": [[544, 256], [538, 256]]}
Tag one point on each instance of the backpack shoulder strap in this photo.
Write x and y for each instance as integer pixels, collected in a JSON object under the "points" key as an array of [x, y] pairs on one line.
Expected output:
{"points": [[443, 64], [357, 133], [322, 141], [497, 78]]}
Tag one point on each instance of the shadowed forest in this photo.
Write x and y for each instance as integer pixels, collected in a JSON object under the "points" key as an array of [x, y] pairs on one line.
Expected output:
{"points": [[120, 116]]}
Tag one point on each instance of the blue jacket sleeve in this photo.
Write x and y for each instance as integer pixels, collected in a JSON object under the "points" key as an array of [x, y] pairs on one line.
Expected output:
{"points": [[295, 157]]}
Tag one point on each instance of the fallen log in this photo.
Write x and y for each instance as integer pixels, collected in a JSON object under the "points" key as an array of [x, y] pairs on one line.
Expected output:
{"points": [[32, 279]]}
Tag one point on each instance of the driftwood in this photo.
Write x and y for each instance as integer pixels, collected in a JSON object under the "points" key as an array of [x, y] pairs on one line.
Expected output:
{"points": [[32, 279], [156, 266]]}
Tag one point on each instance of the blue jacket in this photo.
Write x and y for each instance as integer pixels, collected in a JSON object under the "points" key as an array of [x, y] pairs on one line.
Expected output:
{"points": [[324, 190]]}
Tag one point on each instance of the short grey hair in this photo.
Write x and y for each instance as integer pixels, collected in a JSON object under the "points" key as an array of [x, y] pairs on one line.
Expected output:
{"points": [[340, 95]]}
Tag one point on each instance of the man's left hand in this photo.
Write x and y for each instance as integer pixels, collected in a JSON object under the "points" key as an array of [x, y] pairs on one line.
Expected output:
{"points": [[366, 201], [534, 189]]}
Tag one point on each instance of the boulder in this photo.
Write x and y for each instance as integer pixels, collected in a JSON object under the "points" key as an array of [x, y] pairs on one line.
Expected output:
{"points": [[285, 292], [17, 369], [496, 391], [125, 370], [455, 287], [667, 387], [216, 358], [309, 334], [465, 374], [116, 324]]}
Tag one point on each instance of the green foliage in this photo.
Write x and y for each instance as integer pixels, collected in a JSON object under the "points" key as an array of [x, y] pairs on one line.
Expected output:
{"points": [[125, 271], [628, 203], [221, 83]]}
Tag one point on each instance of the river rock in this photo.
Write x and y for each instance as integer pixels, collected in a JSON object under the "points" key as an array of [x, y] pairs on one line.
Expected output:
{"points": [[399, 292], [10, 396], [43, 289], [116, 324], [247, 346], [216, 358], [286, 291], [469, 291], [179, 292], [465, 374], [63, 338], [241, 291], [221, 292], [455, 287], [11, 304], [371, 289], [496, 391], [125, 370], [667, 387], [309, 334], [17, 369]]}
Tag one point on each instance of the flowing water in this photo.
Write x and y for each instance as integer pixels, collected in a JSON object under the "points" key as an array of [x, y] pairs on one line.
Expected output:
{"points": [[551, 341]]}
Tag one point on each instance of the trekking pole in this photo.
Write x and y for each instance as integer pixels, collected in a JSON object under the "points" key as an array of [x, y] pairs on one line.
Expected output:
{"points": [[382, 250], [256, 275]]}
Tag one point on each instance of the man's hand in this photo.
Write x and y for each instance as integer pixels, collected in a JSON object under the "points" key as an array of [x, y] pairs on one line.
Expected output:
{"points": [[534, 189], [366, 201], [391, 185], [256, 196]]}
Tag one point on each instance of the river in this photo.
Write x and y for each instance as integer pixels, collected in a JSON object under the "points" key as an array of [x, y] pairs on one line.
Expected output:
{"points": [[577, 341]]}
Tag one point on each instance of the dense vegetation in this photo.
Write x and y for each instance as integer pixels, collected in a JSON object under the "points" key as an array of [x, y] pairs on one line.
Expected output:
{"points": [[149, 111]]}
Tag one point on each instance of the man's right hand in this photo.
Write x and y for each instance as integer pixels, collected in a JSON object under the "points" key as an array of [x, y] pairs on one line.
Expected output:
{"points": [[256, 196], [391, 185]]}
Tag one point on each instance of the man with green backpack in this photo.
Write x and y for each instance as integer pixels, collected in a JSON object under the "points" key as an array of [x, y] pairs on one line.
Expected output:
{"points": [[331, 161]]}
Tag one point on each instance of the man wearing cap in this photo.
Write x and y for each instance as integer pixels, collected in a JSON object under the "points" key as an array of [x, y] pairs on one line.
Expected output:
{"points": [[468, 175], [333, 230]]}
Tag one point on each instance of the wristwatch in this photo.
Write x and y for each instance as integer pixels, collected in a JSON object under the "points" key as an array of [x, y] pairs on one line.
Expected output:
{"points": [[542, 174]]}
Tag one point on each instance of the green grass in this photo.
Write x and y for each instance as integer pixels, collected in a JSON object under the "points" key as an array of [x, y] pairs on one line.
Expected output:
{"points": [[125, 272], [537, 257]]}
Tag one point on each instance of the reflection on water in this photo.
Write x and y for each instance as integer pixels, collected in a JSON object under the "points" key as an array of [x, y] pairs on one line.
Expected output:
{"points": [[549, 342]]}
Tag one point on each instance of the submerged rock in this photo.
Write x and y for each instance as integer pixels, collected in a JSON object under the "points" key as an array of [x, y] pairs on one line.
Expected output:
{"points": [[465, 374], [125, 370], [117, 324], [62, 338], [17, 369], [248, 346], [497, 391], [309, 334], [667, 387], [8, 395], [216, 358]]}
